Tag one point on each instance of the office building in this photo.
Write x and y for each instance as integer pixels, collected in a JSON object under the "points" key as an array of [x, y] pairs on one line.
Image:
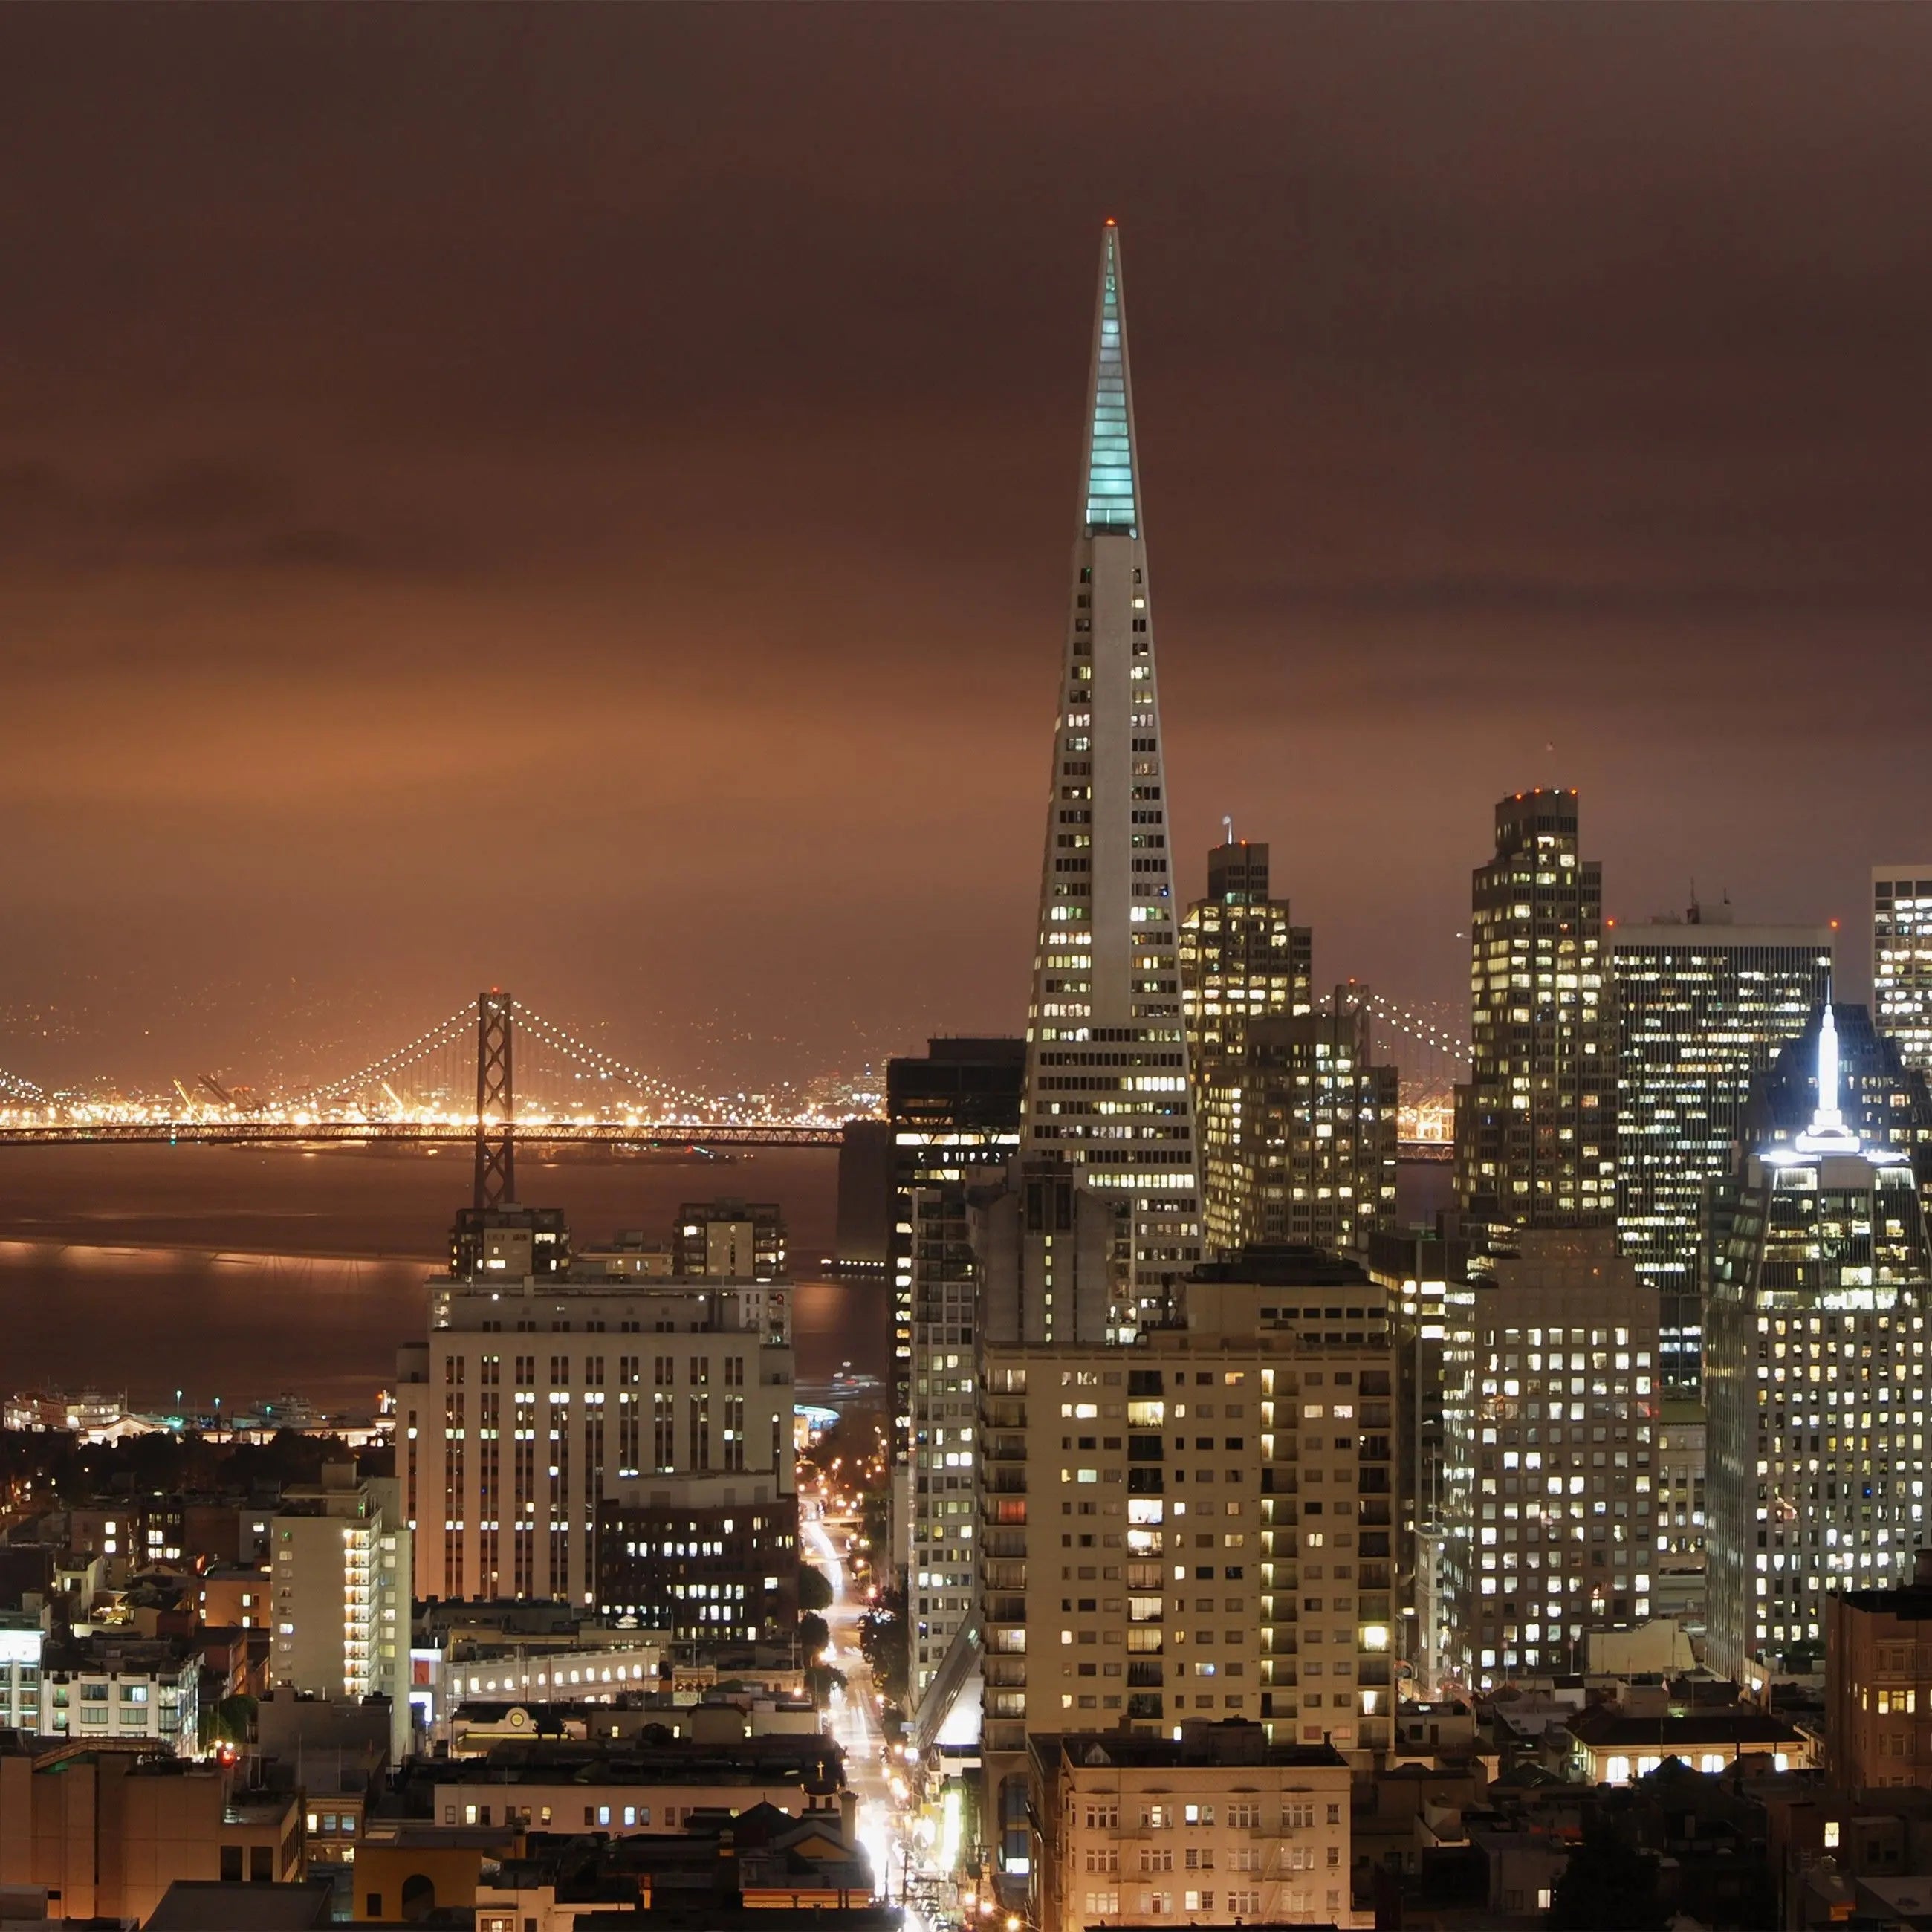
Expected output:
{"points": [[1677, 1583], [1878, 1682], [1550, 1410], [1106, 1077], [1703, 1005], [863, 1239], [1219, 1824], [1197, 1527], [1298, 1131], [534, 1402], [955, 1118], [1815, 1367], [509, 1242], [1902, 959], [339, 1584], [1536, 1121], [691, 1558], [1242, 956], [729, 1240]]}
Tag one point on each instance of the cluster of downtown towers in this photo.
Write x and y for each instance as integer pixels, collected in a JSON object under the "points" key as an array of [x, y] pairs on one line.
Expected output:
{"points": [[1682, 1177]]}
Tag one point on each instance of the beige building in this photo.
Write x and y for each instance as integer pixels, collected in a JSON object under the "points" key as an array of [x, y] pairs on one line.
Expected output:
{"points": [[1678, 1581], [340, 1582], [535, 1401], [1195, 1528], [1217, 1826], [107, 1830]]}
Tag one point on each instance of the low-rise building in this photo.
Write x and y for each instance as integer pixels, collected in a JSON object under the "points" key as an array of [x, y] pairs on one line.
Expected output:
{"points": [[102, 1689], [1216, 1827], [1611, 1745], [1878, 1683]]}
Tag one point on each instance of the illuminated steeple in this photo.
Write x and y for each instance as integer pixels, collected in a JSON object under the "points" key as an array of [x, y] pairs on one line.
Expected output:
{"points": [[1107, 1082], [1828, 1133]]}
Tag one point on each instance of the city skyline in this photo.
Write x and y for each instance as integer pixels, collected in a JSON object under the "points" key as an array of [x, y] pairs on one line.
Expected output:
{"points": [[280, 537]]}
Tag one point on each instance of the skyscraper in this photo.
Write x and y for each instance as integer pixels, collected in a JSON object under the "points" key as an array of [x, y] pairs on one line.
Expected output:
{"points": [[1298, 1134], [1536, 1123], [954, 1119], [1702, 1005], [1902, 958], [1242, 956], [1107, 1079], [1815, 1356]]}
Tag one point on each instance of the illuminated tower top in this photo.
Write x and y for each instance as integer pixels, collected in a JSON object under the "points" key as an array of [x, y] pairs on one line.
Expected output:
{"points": [[1107, 1080]]}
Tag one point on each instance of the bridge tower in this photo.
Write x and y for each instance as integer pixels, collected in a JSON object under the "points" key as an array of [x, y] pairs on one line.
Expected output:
{"points": [[495, 1094]]}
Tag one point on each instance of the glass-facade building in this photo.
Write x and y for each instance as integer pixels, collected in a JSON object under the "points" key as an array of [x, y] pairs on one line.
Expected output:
{"points": [[1536, 1121], [1815, 1354], [1702, 1006]]}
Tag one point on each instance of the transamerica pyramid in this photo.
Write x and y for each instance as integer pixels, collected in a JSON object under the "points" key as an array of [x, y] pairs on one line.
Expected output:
{"points": [[1106, 1076]]}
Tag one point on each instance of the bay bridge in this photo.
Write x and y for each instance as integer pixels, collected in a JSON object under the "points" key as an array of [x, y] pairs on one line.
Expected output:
{"points": [[488, 1075]]}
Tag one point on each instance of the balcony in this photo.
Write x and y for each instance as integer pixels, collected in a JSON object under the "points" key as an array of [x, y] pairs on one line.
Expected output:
{"points": [[1006, 1609], [1005, 1482], [1144, 1705], [1142, 1673]]}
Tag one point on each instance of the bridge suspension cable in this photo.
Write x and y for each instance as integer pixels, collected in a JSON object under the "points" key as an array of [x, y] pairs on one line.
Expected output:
{"points": [[554, 1035], [21, 1089], [1425, 1031], [460, 1025]]}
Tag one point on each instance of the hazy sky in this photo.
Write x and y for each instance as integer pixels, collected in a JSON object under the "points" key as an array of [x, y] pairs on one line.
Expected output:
{"points": [[581, 498]]}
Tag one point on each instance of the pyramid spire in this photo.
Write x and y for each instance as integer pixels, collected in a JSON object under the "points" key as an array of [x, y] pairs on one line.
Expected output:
{"points": [[1107, 1087], [1112, 494]]}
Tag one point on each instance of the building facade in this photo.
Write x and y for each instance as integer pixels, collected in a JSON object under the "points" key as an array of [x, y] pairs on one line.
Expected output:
{"points": [[1298, 1130], [1682, 1507], [1902, 959], [1242, 956], [1816, 1372], [1151, 1520], [1702, 1007], [954, 1117], [1107, 1079], [1878, 1682], [1536, 1121], [340, 1578], [1549, 1415], [1217, 1825], [535, 1401], [729, 1240]]}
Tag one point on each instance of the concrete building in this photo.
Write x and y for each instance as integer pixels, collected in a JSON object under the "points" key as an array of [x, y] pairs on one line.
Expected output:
{"points": [[1816, 1370], [1878, 1682], [1298, 1128], [508, 1243], [1242, 956], [1536, 1122], [1216, 1826], [1548, 1522], [1703, 1005], [105, 1828], [1106, 1079], [954, 1117], [1902, 959], [729, 1240], [1678, 1582], [1153, 1519], [98, 1689], [533, 1402], [339, 1589]]}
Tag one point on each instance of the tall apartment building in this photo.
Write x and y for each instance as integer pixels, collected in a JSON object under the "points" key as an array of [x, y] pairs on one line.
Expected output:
{"points": [[340, 1579], [1219, 1824], [1536, 1121], [533, 1403], [1550, 1413], [1683, 1509], [1703, 1006], [1298, 1130], [1815, 1365], [1106, 1078], [1878, 1682], [1902, 959], [729, 1240], [1242, 956], [1152, 1519], [955, 1118]]}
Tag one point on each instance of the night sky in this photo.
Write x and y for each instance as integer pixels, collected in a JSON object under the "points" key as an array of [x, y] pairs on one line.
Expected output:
{"points": [[582, 499]]}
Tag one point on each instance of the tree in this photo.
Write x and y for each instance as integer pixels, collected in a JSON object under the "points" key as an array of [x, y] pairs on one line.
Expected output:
{"points": [[814, 1633], [1608, 1886], [821, 1679], [815, 1592]]}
